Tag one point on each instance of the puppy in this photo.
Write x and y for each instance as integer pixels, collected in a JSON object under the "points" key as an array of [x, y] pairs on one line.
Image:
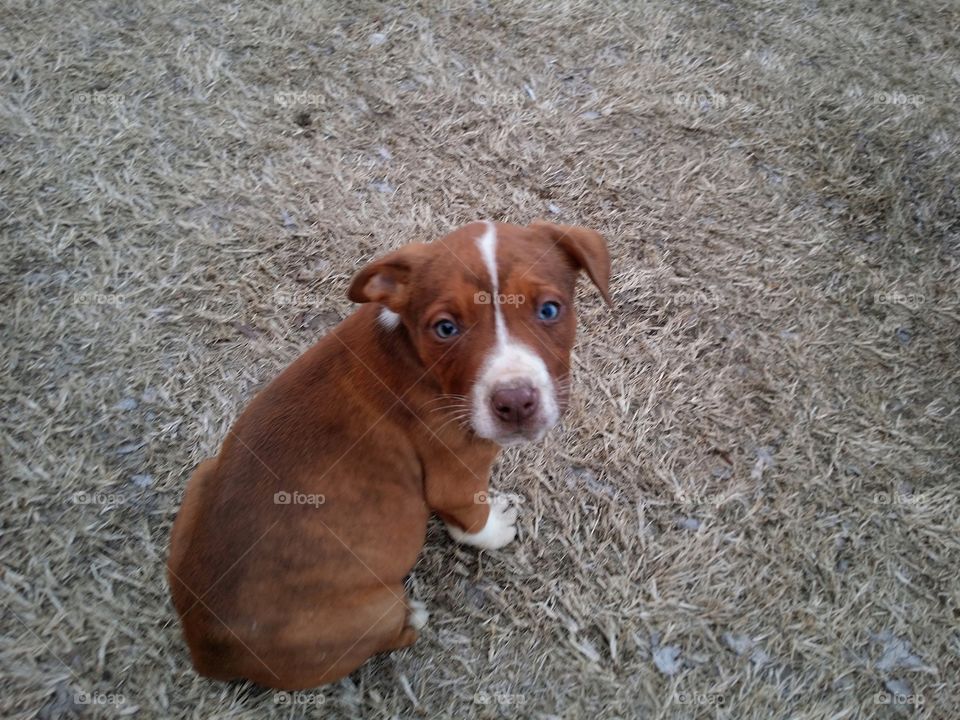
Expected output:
{"points": [[289, 553]]}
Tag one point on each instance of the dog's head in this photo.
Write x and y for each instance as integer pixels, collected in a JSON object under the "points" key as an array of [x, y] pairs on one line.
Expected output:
{"points": [[490, 311]]}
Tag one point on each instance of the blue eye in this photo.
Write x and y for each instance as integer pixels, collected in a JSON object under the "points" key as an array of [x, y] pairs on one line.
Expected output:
{"points": [[548, 311], [445, 329]]}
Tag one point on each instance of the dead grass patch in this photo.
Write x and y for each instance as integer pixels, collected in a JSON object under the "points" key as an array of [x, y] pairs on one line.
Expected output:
{"points": [[751, 510]]}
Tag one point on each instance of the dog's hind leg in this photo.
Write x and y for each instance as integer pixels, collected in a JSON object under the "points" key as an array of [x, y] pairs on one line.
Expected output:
{"points": [[415, 617]]}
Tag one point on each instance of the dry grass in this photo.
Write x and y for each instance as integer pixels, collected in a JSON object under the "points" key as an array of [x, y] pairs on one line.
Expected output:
{"points": [[758, 477]]}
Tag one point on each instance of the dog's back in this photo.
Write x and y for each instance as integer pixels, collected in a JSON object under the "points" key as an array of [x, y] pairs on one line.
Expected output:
{"points": [[279, 477]]}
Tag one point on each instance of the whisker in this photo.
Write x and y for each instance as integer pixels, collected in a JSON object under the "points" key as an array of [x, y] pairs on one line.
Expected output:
{"points": [[444, 408], [438, 398], [458, 420]]}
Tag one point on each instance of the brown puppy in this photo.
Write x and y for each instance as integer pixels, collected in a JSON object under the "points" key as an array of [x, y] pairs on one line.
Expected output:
{"points": [[288, 556]]}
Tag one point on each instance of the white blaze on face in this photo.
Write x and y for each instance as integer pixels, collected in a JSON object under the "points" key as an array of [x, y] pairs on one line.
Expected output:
{"points": [[510, 363]]}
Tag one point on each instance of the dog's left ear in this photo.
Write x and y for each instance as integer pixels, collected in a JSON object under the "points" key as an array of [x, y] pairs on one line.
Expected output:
{"points": [[387, 280], [586, 248]]}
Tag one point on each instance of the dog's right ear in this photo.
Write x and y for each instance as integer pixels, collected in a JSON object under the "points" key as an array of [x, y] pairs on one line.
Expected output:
{"points": [[387, 280]]}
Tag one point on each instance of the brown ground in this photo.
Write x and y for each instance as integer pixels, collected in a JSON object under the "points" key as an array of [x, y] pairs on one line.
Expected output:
{"points": [[751, 510]]}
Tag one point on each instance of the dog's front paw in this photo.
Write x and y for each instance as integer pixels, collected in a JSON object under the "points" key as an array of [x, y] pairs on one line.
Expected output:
{"points": [[500, 530]]}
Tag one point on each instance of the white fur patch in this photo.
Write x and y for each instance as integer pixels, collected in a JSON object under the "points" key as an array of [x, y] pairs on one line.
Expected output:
{"points": [[500, 530], [388, 318], [418, 615], [488, 251], [510, 363]]}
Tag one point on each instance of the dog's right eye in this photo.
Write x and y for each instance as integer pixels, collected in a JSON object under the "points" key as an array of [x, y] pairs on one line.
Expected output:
{"points": [[445, 329]]}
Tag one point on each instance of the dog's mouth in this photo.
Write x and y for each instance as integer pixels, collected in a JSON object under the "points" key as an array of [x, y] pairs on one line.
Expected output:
{"points": [[512, 431], [521, 437]]}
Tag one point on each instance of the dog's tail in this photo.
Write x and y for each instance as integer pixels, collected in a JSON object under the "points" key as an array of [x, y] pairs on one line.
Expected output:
{"points": [[181, 537]]}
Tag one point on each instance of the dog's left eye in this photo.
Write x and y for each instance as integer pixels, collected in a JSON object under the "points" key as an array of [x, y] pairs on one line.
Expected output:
{"points": [[445, 329], [548, 311]]}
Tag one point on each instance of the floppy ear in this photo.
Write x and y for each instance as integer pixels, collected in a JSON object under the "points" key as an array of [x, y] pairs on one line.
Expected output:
{"points": [[387, 280], [586, 248]]}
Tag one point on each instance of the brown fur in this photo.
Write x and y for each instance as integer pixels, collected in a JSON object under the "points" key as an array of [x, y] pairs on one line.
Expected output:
{"points": [[296, 595]]}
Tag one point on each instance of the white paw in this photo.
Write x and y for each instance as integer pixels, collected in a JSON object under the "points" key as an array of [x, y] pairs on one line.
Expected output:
{"points": [[418, 614], [500, 529]]}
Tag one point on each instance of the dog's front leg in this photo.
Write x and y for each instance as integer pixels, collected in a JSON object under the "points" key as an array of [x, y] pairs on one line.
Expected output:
{"points": [[471, 515]]}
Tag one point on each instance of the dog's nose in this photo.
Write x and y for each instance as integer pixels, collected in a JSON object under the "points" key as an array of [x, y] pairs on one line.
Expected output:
{"points": [[516, 404]]}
